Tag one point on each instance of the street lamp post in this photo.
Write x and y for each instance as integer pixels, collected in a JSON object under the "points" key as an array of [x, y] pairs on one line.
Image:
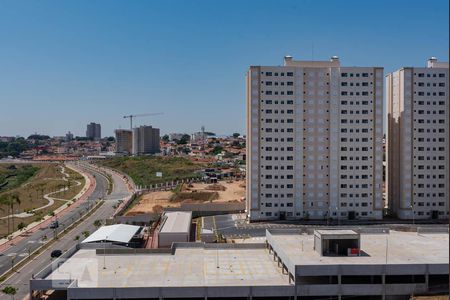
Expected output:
{"points": [[104, 253], [217, 244], [217, 255], [386, 262], [338, 216]]}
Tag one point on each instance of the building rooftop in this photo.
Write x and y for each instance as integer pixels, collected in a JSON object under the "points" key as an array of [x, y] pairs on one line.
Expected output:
{"points": [[186, 267], [176, 221], [325, 232], [290, 62], [433, 62], [401, 248]]}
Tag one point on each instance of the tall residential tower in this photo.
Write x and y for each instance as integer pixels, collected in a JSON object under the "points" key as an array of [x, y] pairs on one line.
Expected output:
{"points": [[418, 139], [145, 140], [124, 141], [94, 131], [314, 141]]}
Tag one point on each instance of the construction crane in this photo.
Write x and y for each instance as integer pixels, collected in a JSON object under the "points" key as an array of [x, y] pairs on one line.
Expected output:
{"points": [[140, 115]]}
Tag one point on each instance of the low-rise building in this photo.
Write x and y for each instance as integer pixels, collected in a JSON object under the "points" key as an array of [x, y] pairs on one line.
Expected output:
{"points": [[292, 264], [175, 228]]}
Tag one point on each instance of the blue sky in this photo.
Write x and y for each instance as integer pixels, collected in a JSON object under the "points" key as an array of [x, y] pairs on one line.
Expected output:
{"points": [[64, 64]]}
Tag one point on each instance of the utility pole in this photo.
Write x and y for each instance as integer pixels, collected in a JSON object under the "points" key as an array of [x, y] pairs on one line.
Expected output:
{"points": [[104, 253]]}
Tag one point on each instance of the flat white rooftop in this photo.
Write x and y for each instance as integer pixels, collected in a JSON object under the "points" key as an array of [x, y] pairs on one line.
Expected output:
{"points": [[176, 222], [187, 267], [401, 248]]}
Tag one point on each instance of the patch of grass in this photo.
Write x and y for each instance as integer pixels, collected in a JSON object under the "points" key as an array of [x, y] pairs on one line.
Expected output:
{"points": [[29, 194], [143, 169], [178, 188], [196, 196], [72, 184]]}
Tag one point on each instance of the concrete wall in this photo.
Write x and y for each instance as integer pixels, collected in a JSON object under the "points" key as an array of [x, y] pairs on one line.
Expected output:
{"points": [[165, 239]]}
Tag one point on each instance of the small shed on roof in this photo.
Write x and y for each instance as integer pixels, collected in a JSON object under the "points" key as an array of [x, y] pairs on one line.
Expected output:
{"points": [[118, 233], [337, 242], [175, 227]]}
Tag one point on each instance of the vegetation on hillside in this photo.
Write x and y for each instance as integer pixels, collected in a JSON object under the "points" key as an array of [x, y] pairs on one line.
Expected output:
{"points": [[39, 137], [143, 169], [12, 176], [24, 192], [13, 148]]}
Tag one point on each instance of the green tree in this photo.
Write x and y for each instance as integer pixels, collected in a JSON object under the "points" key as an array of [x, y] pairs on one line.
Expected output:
{"points": [[11, 200], [21, 226], [184, 139], [10, 290], [217, 150], [16, 199], [236, 135], [14, 147], [85, 233], [165, 138], [39, 137], [4, 201], [97, 223]]}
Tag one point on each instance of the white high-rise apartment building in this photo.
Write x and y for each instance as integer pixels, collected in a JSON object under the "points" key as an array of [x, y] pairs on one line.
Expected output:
{"points": [[418, 141], [314, 141]]}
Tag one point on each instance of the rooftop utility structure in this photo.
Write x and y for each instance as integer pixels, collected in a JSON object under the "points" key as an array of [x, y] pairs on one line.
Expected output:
{"points": [[175, 227], [337, 242], [140, 115]]}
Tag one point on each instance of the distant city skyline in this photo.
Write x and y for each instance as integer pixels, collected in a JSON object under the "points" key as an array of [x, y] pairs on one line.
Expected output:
{"points": [[66, 64]]}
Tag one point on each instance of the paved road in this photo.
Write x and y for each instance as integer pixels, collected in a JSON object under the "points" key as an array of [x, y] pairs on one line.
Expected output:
{"points": [[235, 225], [120, 189], [21, 278]]}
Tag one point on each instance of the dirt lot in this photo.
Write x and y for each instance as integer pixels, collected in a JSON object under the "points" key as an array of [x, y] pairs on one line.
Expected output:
{"points": [[430, 298], [156, 201]]}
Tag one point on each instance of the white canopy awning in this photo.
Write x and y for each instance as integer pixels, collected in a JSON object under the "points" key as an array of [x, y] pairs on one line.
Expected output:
{"points": [[120, 233]]}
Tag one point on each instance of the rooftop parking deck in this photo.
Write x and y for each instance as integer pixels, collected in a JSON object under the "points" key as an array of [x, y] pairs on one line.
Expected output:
{"points": [[401, 248], [187, 267], [415, 264]]}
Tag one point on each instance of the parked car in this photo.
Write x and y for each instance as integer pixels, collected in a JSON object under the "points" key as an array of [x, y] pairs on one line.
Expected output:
{"points": [[56, 253]]}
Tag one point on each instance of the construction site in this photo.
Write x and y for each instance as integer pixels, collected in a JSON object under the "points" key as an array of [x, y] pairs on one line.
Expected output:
{"points": [[232, 192]]}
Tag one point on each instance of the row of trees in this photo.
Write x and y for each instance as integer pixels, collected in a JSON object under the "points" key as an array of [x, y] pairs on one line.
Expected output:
{"points": [[13, 148], [182, 141], [8, 201]]}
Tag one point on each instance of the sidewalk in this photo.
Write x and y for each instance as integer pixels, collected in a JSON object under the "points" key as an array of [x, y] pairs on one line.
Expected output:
{"points": [[82, 196]]}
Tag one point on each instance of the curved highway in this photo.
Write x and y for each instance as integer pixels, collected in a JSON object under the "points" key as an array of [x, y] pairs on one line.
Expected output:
{"points": [[18, 252]]}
